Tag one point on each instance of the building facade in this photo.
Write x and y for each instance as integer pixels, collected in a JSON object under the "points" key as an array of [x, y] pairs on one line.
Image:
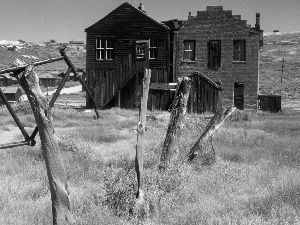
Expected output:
{"points": [[214, 43], [224, 48]]}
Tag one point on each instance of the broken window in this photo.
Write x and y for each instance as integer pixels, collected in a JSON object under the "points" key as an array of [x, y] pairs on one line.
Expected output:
{"points": [[214, 54], [105, 49], [239, 50], [141, 48], [189, 51], [153, 48]]}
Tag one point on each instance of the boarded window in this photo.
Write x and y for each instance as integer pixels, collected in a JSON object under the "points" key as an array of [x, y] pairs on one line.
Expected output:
{"points": [[214, 54], [105, 49], [153, 48], [189, 51], [239, 51]]}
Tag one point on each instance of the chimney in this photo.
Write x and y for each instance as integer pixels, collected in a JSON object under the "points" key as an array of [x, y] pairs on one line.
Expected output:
{"points": [[257, 24], [141, 7]]}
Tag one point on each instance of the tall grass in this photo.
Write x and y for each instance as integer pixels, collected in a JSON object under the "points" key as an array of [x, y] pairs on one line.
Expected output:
{"points": [[253, 181]]}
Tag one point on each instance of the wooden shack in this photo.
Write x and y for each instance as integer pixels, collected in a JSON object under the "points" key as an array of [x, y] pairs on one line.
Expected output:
{"points": [[13, 94], [47, 80], [117, 55], [271, 103]]}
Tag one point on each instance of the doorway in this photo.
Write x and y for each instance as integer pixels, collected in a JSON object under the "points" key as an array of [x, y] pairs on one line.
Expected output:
{"points": [[238, 95]]}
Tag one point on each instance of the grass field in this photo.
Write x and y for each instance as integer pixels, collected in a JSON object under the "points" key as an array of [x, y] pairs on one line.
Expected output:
{"points": [[254, 180]]}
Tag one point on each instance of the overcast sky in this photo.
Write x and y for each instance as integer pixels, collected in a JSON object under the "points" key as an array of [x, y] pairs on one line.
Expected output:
{"points": [[65, 20]]}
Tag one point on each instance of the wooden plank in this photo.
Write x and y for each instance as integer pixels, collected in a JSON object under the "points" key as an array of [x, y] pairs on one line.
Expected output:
{"points": [[162, 86]]}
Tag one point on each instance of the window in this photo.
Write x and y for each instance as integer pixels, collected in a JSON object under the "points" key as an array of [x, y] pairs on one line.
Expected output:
{"points": [[153, 48], [140, 50], [239, 51], [189, 51], [214, 54], [105, 49]]}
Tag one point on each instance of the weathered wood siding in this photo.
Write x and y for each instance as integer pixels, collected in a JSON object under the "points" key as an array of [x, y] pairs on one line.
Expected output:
{"points": [[204, 96]]}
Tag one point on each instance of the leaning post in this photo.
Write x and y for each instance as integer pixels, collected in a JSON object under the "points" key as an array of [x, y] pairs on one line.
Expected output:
{"points": [[61, 206], [214, 124]]}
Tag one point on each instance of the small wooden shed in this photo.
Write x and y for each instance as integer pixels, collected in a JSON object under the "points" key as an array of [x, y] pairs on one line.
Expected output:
{"points": [[13, 94], [205, 94], [47, 80], [271, 103]]}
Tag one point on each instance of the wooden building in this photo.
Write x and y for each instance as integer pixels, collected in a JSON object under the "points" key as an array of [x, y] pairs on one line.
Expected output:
{"points": [[215, 48], [7, 80], [47, 80], [12, 93]]}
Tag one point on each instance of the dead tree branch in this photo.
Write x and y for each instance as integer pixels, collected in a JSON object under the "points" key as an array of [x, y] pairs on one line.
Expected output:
{"points": [[214, 124], [61, 207], [179, 107]]}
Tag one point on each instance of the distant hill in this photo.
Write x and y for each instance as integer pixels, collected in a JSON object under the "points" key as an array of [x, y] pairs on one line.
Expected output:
{"points": [[35, 52], [276, 47]]}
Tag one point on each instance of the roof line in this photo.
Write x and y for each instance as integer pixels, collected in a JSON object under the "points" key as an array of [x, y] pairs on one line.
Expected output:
{"points": [[143, 13], [208, 79]]}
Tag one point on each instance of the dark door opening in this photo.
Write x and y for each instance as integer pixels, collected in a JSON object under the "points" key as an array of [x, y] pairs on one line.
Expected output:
{"points": [[238, 99]]}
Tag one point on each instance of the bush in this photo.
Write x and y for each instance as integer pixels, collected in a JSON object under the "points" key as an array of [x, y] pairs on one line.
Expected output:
{"points": [[23, 107], [239, 116]]}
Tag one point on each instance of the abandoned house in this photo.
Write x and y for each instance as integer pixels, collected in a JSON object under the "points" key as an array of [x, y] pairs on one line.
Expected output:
{"points": [[47, 80], [12, 93], [7, 80], [217, 49]]}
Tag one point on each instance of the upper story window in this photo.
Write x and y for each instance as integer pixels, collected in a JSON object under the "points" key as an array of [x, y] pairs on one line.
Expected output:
{"points": [[105, 49], [189, 51], [153, 48], [214, 54], [239, 50], [140, 52]]}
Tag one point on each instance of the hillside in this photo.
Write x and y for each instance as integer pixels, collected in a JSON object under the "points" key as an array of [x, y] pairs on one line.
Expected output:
{"points": [[276, 47], [33, 53]]}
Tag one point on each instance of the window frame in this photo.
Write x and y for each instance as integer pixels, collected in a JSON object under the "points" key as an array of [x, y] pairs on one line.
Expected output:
{"points": [[214, 59], [153, 49], [193, 51], [104, 49], [241, 52]]}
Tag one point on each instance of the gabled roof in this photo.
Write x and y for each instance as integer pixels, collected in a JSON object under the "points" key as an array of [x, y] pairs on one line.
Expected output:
{"points": [[10, 90], [46, 75], [207, 79], [134, 8]]}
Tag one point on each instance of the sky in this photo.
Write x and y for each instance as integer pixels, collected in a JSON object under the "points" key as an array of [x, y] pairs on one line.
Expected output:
{"points": [[65, 20]]}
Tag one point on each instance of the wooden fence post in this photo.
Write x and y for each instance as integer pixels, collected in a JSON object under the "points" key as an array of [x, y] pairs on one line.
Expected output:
{"points": [[61, 206], [179, 107], [214, 124], [141, 140]]}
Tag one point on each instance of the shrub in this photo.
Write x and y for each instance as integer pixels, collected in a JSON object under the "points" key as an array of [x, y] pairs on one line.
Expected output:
{"points": [[23, 107], [239, 116]]}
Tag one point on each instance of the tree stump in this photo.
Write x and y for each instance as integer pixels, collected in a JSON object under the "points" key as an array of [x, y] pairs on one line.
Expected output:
{"points": [[170, 150]]}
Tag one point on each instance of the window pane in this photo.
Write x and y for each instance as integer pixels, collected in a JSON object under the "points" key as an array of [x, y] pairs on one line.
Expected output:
{"points": [[109, 44], [110, 54], [189, 45], [153, 43], [97, 43]]}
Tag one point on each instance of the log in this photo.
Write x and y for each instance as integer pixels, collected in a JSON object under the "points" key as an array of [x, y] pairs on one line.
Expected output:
{"points": [[140, 201], [61, 206], [214, 124], [179, 107]]}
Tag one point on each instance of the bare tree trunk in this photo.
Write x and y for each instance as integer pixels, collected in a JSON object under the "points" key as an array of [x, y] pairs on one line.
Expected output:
{"points": [[179, 106], [61, 206], [214, 124], [141, 143]]}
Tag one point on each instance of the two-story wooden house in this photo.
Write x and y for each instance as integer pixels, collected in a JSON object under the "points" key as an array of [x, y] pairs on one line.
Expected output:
{"points": [[127, 40]]}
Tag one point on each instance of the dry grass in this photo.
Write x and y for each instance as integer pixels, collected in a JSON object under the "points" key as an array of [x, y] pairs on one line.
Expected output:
{"points": [[254, 180]]}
